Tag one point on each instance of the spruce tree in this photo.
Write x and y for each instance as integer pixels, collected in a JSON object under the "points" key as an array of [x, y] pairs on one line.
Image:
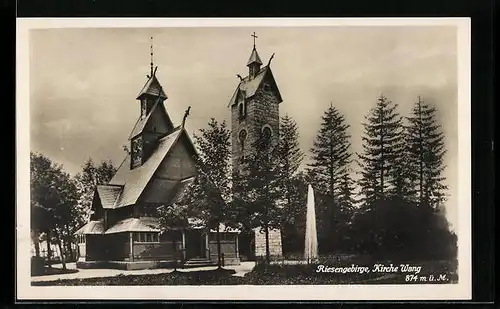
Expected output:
{"points": [[425, 148], [256, 189], [345, 198], [331, 158], [291, 185], [330, 153], [290, 155], [381, 158]]}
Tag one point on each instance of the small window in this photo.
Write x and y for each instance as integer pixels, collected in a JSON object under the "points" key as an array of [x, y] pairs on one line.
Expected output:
{"points": [[266, 133], [242, 110], [242, 136], [146, 237]]}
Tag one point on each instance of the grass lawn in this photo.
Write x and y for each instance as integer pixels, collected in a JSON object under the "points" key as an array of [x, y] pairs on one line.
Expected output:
{"points": [[272, 275], [54, 271]]}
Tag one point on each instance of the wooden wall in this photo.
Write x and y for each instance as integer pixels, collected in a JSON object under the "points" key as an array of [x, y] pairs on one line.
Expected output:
{"points": [[178, 164]]}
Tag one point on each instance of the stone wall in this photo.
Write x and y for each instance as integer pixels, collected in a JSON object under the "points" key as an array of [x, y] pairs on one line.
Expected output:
{"points": [[275, 247], [262, 109]]}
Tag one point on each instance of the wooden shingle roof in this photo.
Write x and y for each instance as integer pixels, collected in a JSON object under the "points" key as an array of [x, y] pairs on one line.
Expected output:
{"points": [[249, 86], [141, 123], [254, 57], [153, 88], [142, 224], [108, 194], [92, 227], [135, 180]]}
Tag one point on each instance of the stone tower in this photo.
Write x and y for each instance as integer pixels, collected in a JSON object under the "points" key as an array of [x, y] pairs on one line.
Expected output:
{"points": [[254, 108], [255, 114]]}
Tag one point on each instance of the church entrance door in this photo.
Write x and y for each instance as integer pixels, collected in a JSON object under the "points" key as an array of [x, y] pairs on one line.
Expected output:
{"points": [[195, 244]]}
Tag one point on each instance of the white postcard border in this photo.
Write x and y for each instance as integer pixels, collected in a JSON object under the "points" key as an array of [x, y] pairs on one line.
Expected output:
{"points": [[460, 291]]}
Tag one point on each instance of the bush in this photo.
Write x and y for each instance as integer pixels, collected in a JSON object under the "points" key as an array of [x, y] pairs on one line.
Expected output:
{"points": [[395, 228], [37, 266]]}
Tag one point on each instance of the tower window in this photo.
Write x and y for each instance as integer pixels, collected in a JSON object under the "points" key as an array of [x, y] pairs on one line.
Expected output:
{"points": [[242, 137], [266, 132], [242, 110], [143, 108], [136, 152]]}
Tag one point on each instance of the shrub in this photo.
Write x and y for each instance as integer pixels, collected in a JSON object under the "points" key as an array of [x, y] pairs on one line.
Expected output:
{"points": [[37, 266]]}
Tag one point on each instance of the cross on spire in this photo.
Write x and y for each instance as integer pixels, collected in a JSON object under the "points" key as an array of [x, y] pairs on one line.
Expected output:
{"points": [[254, 37], [151, 51]]}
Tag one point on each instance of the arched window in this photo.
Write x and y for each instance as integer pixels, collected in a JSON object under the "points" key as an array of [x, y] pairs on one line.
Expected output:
{"points": [[242, 137], [242, 110], [266, 133]]}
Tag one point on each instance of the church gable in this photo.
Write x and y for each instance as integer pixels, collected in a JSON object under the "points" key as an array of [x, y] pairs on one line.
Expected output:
{"points": [[248, 87], [135, 180], [177, 166], [269, 85], [156, 122]]}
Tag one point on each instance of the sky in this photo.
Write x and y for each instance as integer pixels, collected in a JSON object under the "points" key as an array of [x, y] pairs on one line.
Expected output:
{"points": [[84, 81]]}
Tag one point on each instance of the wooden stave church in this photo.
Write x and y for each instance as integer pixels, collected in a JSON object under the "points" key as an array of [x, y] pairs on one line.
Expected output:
{"points": [[123, 231]]}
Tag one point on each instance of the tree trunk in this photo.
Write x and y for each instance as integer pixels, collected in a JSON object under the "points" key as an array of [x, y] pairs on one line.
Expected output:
{"points": [[174, 244], [61, 251], [36, 242], [69, 243], [49, 249], [219, 253], [69, 250], [268, 252]]}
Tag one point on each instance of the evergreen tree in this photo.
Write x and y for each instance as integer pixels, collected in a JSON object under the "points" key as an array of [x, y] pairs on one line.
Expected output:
{"points": [[381, 158], [345, 198], [291, 186], [256, 188], [425, 148], [209, 195], [331, 158], [330, 153]]}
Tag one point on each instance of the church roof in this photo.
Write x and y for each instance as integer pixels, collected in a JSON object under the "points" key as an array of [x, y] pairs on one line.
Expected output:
{"points": [[92, 227], [135, 180], [152, 87], [141, 122], [142, 224], [254, 57], [248, 87], [108, 194]]}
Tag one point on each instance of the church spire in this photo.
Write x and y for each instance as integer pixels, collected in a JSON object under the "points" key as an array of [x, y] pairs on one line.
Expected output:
{"points": [[151, 63], [254, 61]]}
